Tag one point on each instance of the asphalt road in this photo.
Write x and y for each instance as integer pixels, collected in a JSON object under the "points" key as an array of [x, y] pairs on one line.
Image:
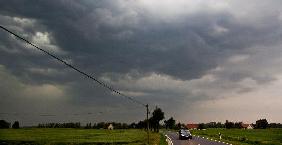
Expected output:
{"points": [[194, 141]]}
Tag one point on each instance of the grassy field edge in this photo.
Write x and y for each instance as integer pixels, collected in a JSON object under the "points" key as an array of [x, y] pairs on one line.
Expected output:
{"points": [[244, 137], [77, 136]]}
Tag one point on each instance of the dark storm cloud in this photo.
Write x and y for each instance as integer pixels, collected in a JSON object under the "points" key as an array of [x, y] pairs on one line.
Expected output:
{"points": [[115, 39], [104, 38], [182, 50]]}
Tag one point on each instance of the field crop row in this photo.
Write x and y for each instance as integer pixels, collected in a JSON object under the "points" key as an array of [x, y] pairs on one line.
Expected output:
{"points": [[76, 136], [244, 137]]}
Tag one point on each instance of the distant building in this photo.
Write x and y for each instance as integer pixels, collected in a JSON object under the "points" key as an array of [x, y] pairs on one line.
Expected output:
{"points": [[110, 127], [192, 126], [247, 126]]}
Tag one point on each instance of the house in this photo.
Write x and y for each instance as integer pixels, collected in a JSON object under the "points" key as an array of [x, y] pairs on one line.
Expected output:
{"points": [[111, 127], [192, 126], [247, 126]]}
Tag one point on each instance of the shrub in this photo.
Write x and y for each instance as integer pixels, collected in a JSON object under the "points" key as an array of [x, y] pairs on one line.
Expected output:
{"points": [[4, 124], [16, 125]]}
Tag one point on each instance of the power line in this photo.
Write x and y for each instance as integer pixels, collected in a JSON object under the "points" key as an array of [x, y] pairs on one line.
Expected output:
{"points": [[55, 114], [76, 69]]}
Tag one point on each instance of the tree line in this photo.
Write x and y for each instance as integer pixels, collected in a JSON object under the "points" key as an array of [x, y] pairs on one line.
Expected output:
{"points": [[60, 125], [5, 124], [154, 124], [260, 124]]}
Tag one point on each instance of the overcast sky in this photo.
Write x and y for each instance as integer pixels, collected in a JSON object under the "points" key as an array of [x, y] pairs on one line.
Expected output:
{"points": [[198, 60]]}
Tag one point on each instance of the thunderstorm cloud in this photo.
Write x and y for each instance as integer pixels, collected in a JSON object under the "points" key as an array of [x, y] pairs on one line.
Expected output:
{"points": [[198, 60]]}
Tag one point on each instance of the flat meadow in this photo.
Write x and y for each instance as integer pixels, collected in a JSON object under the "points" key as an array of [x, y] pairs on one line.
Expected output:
{"points": [[76, 136], [244, 136]]}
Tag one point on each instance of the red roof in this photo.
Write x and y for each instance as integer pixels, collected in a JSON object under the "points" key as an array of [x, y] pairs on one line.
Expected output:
{"points": [[244, 125], [192, 126]]}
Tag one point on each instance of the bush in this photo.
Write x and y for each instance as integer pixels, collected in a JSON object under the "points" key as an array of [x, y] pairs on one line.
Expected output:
{"points": [[261, 124], [202, 126], [16, 125], [4, 124]]}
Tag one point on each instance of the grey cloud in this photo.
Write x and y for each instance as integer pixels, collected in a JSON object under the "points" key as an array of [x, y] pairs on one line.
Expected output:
{"points": [[27, 103], [116, 38], [91, 33], [152, 46]]}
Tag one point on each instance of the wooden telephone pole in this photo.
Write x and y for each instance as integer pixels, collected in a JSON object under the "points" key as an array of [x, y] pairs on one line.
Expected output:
{"points": [[148, 131]]}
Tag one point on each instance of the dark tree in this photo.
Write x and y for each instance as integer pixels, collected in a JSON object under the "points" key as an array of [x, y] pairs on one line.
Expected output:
{"points": [[16, 125], [229, 125], [141, 124], [133, 125], [180, 126], [4, 124], [261, 124], [88, 126], [238, 125], [101, 125], [219, 125], [211, 125], [60, 125], [152, 124], [275, 125], [214, 125], [202, 126], [157, 116], [170, 123]]}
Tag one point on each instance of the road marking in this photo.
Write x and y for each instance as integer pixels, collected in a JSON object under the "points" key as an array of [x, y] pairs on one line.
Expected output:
{"points": [[213, 140], [169, 141]]}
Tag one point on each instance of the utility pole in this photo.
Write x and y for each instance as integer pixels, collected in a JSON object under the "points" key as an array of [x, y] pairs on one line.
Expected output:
{"points": [[148, 131]]}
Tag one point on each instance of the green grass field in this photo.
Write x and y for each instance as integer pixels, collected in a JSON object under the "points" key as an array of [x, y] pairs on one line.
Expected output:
{"points": [[76, 136], [244, 137]]}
